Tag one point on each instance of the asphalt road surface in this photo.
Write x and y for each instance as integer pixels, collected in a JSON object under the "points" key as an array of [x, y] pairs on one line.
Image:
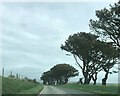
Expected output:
{"points": [[55, 90]]}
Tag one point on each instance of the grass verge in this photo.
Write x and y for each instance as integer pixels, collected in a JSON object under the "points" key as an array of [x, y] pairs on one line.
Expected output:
{"points": [[34, 90], [97, 89]]}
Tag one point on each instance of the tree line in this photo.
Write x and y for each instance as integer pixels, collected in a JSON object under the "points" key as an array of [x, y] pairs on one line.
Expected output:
{"points": [[59, 74], [99, 51]]}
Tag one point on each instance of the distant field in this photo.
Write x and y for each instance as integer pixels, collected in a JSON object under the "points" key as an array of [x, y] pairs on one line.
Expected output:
{"points": [[97, 89], [16, 86]]}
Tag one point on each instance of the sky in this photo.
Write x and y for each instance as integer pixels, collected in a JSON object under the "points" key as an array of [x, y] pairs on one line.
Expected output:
{"points": [[33, 32]]}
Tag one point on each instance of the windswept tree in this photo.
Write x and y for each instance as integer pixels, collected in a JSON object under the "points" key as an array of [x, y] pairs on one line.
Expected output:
{"points": [[107, 26], [59, 73], [108, 23], [105, 59], [48, 77], [109, 60], [63, 72], [80, 45], [87, 48]]}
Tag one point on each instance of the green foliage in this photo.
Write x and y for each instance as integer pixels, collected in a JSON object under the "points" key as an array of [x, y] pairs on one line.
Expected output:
{"points": [[79, 44], [95, 54], [82, 45], [108, 23], [59, 73], [64, 70]]}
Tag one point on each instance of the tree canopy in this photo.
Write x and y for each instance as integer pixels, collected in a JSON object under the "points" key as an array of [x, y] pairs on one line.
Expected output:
{"points": [[80, 45], [108, 23], [59, 73], [93, 52]]}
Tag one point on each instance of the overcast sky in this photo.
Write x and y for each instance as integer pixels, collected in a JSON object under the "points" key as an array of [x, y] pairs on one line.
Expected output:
{"points": [[33, 33]]}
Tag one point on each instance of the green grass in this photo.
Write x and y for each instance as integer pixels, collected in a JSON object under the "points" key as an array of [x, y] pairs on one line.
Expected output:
{"points": [[34, 90], [0, 85], [16, 86], [98, 89]]}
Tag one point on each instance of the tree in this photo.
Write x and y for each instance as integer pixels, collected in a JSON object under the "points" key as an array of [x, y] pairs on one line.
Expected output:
{"points": [[108, 57], [93, 52], [108, 23], [64, 71], [59, 73], [47, 77], [81, 46]]}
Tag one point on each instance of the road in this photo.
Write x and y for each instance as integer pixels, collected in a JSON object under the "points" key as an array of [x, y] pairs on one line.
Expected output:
{"points": [[55, 90]]}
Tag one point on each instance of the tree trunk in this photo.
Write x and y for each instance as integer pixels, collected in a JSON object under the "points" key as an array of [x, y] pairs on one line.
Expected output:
{"points": [[94, 79], [105, 78], [104, 81], [66, 80], [86, 81], [87, 78], [44, 82], [85, 72], [80, 81], [57, 81]]}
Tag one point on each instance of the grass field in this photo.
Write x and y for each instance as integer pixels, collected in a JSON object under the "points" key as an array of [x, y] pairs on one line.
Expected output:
{"points": [[97, 89], [16, 86]]}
